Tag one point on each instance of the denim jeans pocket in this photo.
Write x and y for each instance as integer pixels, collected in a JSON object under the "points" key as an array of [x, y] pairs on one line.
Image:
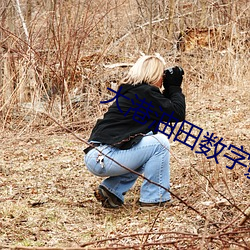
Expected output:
{"points": [[95, 160]]}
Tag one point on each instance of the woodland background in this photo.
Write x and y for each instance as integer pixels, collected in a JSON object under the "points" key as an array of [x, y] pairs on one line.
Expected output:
{"points": [[57, 59]]}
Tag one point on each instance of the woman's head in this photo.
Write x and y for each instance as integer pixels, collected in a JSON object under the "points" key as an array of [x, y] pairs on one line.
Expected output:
{"points": [[148, 69]]}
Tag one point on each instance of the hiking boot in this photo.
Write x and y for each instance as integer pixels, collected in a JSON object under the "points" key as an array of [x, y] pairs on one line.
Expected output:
{"points": [[151, 206], [107, 199]]}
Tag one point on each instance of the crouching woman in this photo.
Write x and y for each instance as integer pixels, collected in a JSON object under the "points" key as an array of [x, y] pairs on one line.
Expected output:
{"points": [[128, 135]]}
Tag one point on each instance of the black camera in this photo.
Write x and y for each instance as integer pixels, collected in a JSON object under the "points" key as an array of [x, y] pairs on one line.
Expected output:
{"points": [[173, 76], [171, 70]]}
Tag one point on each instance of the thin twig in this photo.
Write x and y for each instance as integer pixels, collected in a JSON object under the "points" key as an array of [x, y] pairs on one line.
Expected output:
{"points": [[199, 172], [153, 224], [19, 11]]}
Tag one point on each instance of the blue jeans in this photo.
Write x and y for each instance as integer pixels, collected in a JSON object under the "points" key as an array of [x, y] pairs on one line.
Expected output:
{"points": [[149, 157]]}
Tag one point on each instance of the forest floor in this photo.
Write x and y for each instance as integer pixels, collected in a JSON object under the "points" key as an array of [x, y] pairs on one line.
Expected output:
{"points": [[46, 192]]}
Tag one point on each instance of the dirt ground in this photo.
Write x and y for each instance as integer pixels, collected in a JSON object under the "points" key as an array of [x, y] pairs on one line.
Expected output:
{"points": [[46, 193]]}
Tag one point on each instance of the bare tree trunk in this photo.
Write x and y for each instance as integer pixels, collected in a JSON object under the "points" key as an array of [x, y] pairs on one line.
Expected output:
{"points": [[27, 91], [28, 13], [8, 87], [20, 13], [171, 20], [181, 23], [150, 9], [203, 19], [6, 76], [233, 16]]}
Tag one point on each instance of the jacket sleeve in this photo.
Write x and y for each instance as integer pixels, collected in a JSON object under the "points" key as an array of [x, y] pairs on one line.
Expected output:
{"points": [[172, 101]]}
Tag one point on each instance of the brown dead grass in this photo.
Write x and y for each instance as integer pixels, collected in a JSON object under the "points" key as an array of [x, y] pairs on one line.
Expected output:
{"points": [[47, 193]]}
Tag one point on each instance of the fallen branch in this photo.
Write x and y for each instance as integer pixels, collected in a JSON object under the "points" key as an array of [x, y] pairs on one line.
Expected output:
{"points": [[115, 65], [246, 217], [39, 248], [174, 237]]}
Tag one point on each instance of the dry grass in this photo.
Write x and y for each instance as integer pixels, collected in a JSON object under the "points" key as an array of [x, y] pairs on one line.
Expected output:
{"points": [[46, 197]]}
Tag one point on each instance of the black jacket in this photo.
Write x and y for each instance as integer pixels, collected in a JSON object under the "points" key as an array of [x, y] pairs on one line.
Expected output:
{"points": [[125, 122]]}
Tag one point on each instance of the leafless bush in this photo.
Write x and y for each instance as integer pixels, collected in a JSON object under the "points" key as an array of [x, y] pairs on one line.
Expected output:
{"points": [[55, 57], [52, 52]]}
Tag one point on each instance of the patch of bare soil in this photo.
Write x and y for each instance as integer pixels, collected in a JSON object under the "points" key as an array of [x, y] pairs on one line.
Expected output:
{"points": [[46, 193]]}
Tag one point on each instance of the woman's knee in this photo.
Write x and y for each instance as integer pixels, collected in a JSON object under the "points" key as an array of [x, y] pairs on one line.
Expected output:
{"points": [[160, 140], [163, 140]]}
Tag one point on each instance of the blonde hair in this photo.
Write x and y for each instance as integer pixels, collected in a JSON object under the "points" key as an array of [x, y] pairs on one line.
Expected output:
{"points": [[148, 69]]}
